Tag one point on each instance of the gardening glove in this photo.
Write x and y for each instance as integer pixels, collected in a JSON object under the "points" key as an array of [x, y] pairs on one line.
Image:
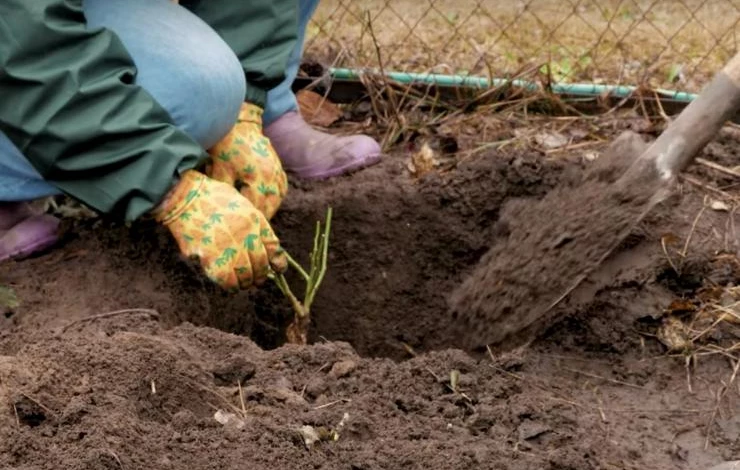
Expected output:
{"points": [[231, 239], [246, 159]]}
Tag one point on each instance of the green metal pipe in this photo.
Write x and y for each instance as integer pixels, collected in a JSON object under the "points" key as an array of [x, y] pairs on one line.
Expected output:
{"points": [[578, 89]]}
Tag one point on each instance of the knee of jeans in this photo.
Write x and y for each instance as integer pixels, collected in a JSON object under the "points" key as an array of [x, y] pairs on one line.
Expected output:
{"points": [[211, 95], [184, 64]]}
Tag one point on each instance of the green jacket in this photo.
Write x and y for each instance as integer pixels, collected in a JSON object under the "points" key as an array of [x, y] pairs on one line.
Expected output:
{"points": [[68, 102]]}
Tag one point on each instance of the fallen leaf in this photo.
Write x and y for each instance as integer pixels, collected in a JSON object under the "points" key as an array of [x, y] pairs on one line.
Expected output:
{"points": [[712, 294], [312, 435], [229, 419], [674, 334], [309, 434], [719, 206], [590, 156], [579, 133], [670, 239], [423, 161], [551, 140], [317, 110], [681, 306]]}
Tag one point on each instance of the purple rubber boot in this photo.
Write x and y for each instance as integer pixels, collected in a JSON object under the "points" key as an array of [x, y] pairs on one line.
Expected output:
{"points": [[311, 154], [23, 232]]}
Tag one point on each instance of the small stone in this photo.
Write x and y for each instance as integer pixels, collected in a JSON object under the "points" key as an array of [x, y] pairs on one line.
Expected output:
{"points": [[284, 395], [236, 369], [309, 434], [229, 419], [316, 387], [532, 429], [184, 419], [342, 369]]}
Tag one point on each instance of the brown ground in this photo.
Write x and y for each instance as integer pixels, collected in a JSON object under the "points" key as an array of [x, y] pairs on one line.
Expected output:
{"points": [[135, 390]]}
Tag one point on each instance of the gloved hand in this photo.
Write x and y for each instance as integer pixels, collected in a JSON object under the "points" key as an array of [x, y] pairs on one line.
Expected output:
{"points": [[246, 159], [210, 220]]}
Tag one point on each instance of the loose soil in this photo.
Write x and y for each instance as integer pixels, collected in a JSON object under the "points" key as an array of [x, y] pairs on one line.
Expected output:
{"points": [[120, 356], [516, 289]]}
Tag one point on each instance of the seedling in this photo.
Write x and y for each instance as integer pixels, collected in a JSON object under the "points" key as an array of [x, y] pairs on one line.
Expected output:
{"points": [[297, 332]]}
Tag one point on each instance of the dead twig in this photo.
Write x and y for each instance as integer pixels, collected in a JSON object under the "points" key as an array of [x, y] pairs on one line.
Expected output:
{"points": [[706, 187], [606, 379], [129, 311], [668, 257], [468, 400], [115, 457], [571, 147], [661, 111], [17, 417], [717, 167], [241, 397], [379, 56], [36, 402], [336, 402], [685, 249]]}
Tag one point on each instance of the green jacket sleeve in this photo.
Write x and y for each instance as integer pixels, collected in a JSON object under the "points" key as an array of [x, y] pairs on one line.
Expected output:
{"points": [[69, 103], [262, 34]]}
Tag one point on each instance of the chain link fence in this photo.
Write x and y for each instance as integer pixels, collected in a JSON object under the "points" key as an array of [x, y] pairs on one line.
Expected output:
{"points": [[674, 44]]}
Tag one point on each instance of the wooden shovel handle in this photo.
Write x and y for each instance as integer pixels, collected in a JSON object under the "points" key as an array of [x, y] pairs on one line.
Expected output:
{"points": [[697, 125]]}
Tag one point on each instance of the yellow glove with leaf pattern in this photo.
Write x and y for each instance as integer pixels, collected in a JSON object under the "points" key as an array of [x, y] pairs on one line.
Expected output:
{"points": [[213, 222], [246, 160]]}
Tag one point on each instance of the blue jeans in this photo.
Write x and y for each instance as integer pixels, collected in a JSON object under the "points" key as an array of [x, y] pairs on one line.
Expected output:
{"points": [[161, 38], [281, 99]]}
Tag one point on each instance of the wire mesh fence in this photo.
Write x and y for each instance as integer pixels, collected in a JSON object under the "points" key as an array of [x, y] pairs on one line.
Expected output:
{"points": [[674, 44]]}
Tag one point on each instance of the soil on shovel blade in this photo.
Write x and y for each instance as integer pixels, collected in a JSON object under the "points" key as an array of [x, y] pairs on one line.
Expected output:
{"points": [[547, 247], [120, 356]]}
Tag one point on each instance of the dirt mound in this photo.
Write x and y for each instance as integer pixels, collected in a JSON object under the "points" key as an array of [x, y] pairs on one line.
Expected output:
{"points": [[147, 400], [120, 356]]}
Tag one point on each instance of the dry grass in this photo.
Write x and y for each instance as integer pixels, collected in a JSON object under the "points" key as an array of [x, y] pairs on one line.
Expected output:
{"points": [[675, 44], [661, 43], [457, 127]]}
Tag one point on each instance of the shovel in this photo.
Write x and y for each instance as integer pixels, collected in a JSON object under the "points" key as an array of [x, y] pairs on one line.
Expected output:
{"points": [[512, 294]]}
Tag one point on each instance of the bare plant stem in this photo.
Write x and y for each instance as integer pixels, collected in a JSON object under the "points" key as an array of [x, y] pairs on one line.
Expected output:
{"points": [[313, 279]]}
